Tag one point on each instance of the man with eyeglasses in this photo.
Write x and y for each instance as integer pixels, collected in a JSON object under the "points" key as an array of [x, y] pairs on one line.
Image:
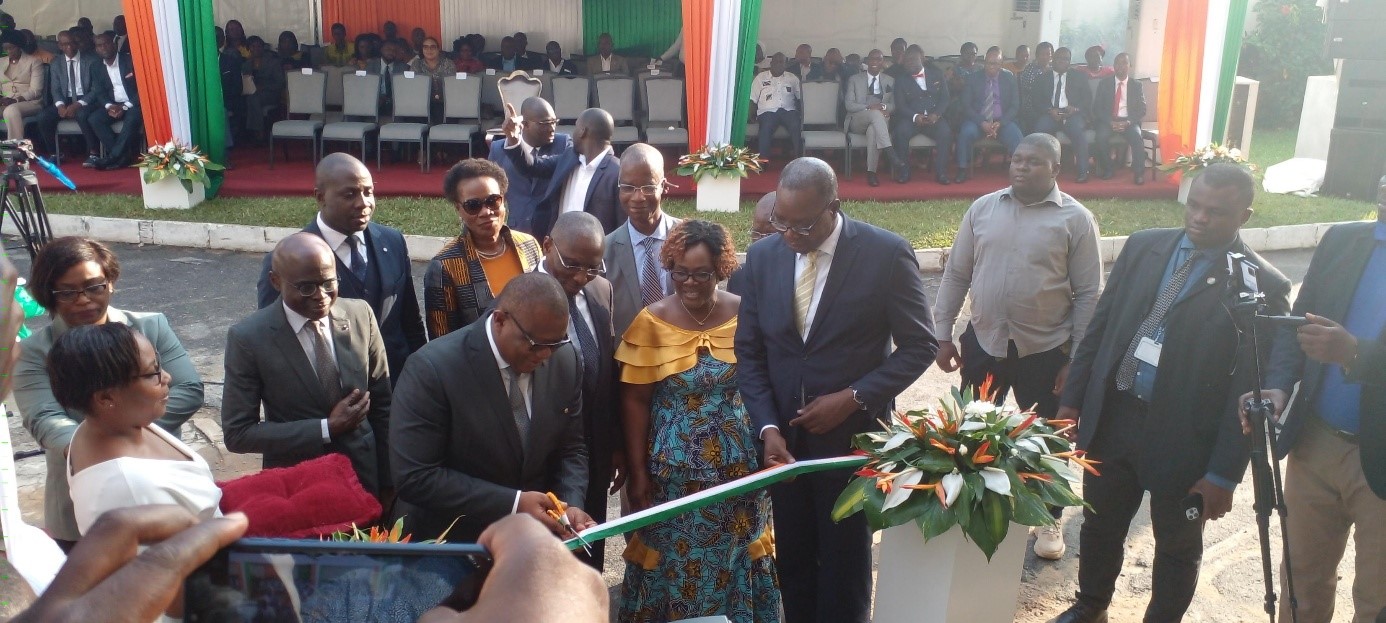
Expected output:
{"points": [[317, 365], [824, 303], [760, 230], [581, 179], [539, 135], [574, 254], [488, 420], [637, 276]]}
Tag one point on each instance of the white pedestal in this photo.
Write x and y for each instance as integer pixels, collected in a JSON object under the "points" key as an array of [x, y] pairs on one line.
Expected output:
{"points": [[1316, 121], [720, 193], [169, 193], [947, 579], [1185, 183]]}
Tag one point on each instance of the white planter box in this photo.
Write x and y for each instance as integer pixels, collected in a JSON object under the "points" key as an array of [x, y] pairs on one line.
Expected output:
{"points": [[719, 193], [169, 193], [947, 579]]}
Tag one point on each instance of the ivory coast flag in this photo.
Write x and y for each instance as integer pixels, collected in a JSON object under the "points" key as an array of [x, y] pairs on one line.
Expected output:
{"points": [[719, 49], [1203, 43]]}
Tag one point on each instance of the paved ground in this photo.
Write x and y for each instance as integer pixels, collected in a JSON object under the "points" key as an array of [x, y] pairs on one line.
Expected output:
{"points": [[204, 292]]}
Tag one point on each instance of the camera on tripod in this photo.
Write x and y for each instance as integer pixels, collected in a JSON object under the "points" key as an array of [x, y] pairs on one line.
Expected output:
{"points": [[20, 197], [17, 153]]}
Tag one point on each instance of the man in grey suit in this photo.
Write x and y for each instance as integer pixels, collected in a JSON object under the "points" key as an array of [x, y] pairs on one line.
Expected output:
{"points": [[489, 420], [637, 276], [870, 99], [317, 364], [69, 89]]}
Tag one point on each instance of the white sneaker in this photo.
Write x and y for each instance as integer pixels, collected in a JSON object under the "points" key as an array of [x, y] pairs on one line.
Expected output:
{"points": [[1049, 543]]}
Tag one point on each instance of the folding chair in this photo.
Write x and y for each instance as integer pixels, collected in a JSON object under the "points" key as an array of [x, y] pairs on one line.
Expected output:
{"points": [[307, 96], [462, 104], [571, 95], [412, 97], [665, 124], [361, 102], [615, 95], [821, 128]]}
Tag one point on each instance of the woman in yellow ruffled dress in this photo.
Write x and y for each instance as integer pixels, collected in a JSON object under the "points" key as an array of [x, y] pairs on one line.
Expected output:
{"points": [[687, 430]]}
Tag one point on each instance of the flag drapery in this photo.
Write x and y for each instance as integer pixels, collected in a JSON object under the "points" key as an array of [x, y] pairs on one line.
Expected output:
{"points": [[719, 49], [1197, 73]]}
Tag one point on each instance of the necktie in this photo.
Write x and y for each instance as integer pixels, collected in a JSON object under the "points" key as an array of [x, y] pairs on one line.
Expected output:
{"points": [[384, 78], [328, 377], [358, 260], [803, 291], [587, 344], [873, 86], [990, 104], [1058, 87], [651, 286], [517, 404], [1126, 372], [1116, 103], [72, 79]]}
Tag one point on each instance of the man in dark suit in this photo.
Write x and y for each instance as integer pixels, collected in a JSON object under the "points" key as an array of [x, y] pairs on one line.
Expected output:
{"points": [[489, 419], [554, 63], [316, 363], [538, 132], [921, 96], [804, 66], [1165, 422], [573, 254], [509, 59], [115, 98], [1335, 435], [760, 230], [638, 277], [372, 259], [581, 179], [1063, 97], [531, 60], [991, 102], [1118, 109], [70, 79], [816, 367]]}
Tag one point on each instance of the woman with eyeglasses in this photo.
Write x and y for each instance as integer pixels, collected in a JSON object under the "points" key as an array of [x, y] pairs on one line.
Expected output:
{"points": [[470, 272], [74, 278], [432, 63], [686, 430]]}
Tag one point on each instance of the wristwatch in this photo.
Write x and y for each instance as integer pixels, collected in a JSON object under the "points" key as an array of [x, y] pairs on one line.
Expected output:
{"points": [[861, 404]]}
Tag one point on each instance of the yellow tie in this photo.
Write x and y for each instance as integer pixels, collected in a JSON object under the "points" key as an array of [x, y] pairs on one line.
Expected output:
{"points": [[803, 291]]}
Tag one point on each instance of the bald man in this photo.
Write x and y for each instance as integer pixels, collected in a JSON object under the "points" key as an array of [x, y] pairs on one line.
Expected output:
{"points": [[580, 179], [316, 363], [538, 125], [637, 276], [760, 230], [372, 259]]}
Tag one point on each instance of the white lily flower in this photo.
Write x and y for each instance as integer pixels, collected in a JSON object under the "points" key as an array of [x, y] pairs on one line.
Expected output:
{"points": [[979, 407], [1065, 469], [895, 442], [1015, 418], [952, 485], [898, 493], [1034, 444], [972, 424], [996, 480]]}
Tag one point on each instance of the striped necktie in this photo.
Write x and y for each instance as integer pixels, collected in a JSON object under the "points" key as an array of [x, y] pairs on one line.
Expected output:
{"points": [[651, 286], [1126, 372], [803, 291]]}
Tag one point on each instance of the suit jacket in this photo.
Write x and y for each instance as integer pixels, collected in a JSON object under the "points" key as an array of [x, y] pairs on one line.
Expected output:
{"points": [[601, 419], [567, 68], [815, 71], [57, 78], [24, 79], [1075, 87], [849, 345], [603, 200], [618, 64], [525, 192], [911, 100], [522, 63], [52, 426], [1191, 427], [858, 92], [103, 92], [624, 277], [1334, 275], [1106, 93], [457, 451], [975, 95], [395, 305], [266, 366]]}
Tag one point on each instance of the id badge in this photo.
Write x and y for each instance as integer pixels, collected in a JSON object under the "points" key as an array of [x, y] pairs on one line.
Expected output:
{"points": [[1148, 351]]}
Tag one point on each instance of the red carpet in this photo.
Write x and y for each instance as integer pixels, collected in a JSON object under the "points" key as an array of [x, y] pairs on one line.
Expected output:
{"points": [[252, 177]]}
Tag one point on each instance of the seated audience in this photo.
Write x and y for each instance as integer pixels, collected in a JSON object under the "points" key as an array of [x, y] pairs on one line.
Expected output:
{"points": [[267, 73], [31, 47], [289, 55], [122, 36], [869, 99], [991, 103], [389, 31], [116, 99], [509, 59], [21, 91], [74, 279], [1118, 109], [967, 61], [804, 66], [1094, 67], [1032, 107], [431, 62], [465, 58], [554, 63], [1022, 59], [855, 64], [465, 277], [70, 82], [605, 61], [366, 53], [834, 67], [533, 60], [416, 39], [921, 97], [339, 51], [898, 47], [775, 96]]}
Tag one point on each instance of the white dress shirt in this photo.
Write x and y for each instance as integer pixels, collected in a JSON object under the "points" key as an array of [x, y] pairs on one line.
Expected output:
{"points": [[76, 64], [337, 241], [575, 189], [1124, 89], [305, 339], [118, 94], [1059, 83], [525, 382], [555, 68], [661, 233], [606, 63]]}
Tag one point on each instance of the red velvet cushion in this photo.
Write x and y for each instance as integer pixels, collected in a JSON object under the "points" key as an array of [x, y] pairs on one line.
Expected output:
{"points": [[309, 500]]}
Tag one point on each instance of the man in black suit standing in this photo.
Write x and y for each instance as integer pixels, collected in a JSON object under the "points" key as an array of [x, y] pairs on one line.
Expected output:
{"points": [[70, 80], [372, 259], [1154, 388], [538, 130], [816, 367], [1063, 97], [115, 98], [1118, 109], [921, 96], [581, 179], [1335, 435], [573, 254], [489, 419]]}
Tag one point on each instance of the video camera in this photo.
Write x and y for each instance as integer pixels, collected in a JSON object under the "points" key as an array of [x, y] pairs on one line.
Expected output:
{"points": [[17, 153]]}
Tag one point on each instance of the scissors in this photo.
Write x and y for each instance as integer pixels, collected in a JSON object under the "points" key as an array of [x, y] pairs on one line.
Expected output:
{"points": [[560, 514]]}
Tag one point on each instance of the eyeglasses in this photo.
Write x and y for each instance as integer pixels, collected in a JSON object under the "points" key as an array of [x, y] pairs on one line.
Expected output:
{"points": [[782, 227], [551, 123], [310, 288], [474, 206], [698, 277], [92, 291], [153, 376], [591, 271], [537, 347], [648, 191]]}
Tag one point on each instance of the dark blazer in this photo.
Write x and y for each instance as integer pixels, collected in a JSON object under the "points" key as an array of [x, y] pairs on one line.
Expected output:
{"points": [[603, 200], [265, 365], [1075, 87], [57, 77], [1334, 275], [103, 92], [522, 63], [525, 192], [395, 304], [911, 100], [568, 68], [849, 344], [1106, 92], [457, 452], [601, 419], [815, 71], [1192, 426], [975, 95]]}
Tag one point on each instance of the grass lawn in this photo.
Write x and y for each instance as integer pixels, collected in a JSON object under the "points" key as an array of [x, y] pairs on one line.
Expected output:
{"points": [[923, 223]]}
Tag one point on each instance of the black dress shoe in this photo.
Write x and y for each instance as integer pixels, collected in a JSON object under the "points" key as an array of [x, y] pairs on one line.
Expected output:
{"points": [[1082, 178], [872, 180], [1082, 613], [961, 176], [1140, 179], [942, 179], [111, 164]]}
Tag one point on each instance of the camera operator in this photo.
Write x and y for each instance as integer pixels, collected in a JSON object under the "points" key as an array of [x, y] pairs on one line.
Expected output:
{"points": [[1335, 435]]}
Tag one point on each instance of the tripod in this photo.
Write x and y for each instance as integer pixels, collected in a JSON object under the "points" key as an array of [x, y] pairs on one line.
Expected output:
{"points": [[22, 200]]}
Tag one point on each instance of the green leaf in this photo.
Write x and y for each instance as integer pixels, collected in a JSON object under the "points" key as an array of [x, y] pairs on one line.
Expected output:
{"points": [[187, 184], [910, 509], [935, 520], [852, 498], [874, 501], [1030, 510], [935, 461]]}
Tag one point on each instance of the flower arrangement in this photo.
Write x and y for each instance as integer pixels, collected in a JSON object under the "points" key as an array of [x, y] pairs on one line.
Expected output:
{"points": [[1192, 164], [969, 463], [188, 164], [380, 535], [720, 161]]}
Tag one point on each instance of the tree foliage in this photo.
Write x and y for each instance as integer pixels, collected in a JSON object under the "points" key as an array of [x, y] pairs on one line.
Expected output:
{"points": [[1286, 48]]}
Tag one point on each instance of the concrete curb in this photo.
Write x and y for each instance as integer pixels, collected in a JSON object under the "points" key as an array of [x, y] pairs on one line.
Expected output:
{"points": [[254, 238]]}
